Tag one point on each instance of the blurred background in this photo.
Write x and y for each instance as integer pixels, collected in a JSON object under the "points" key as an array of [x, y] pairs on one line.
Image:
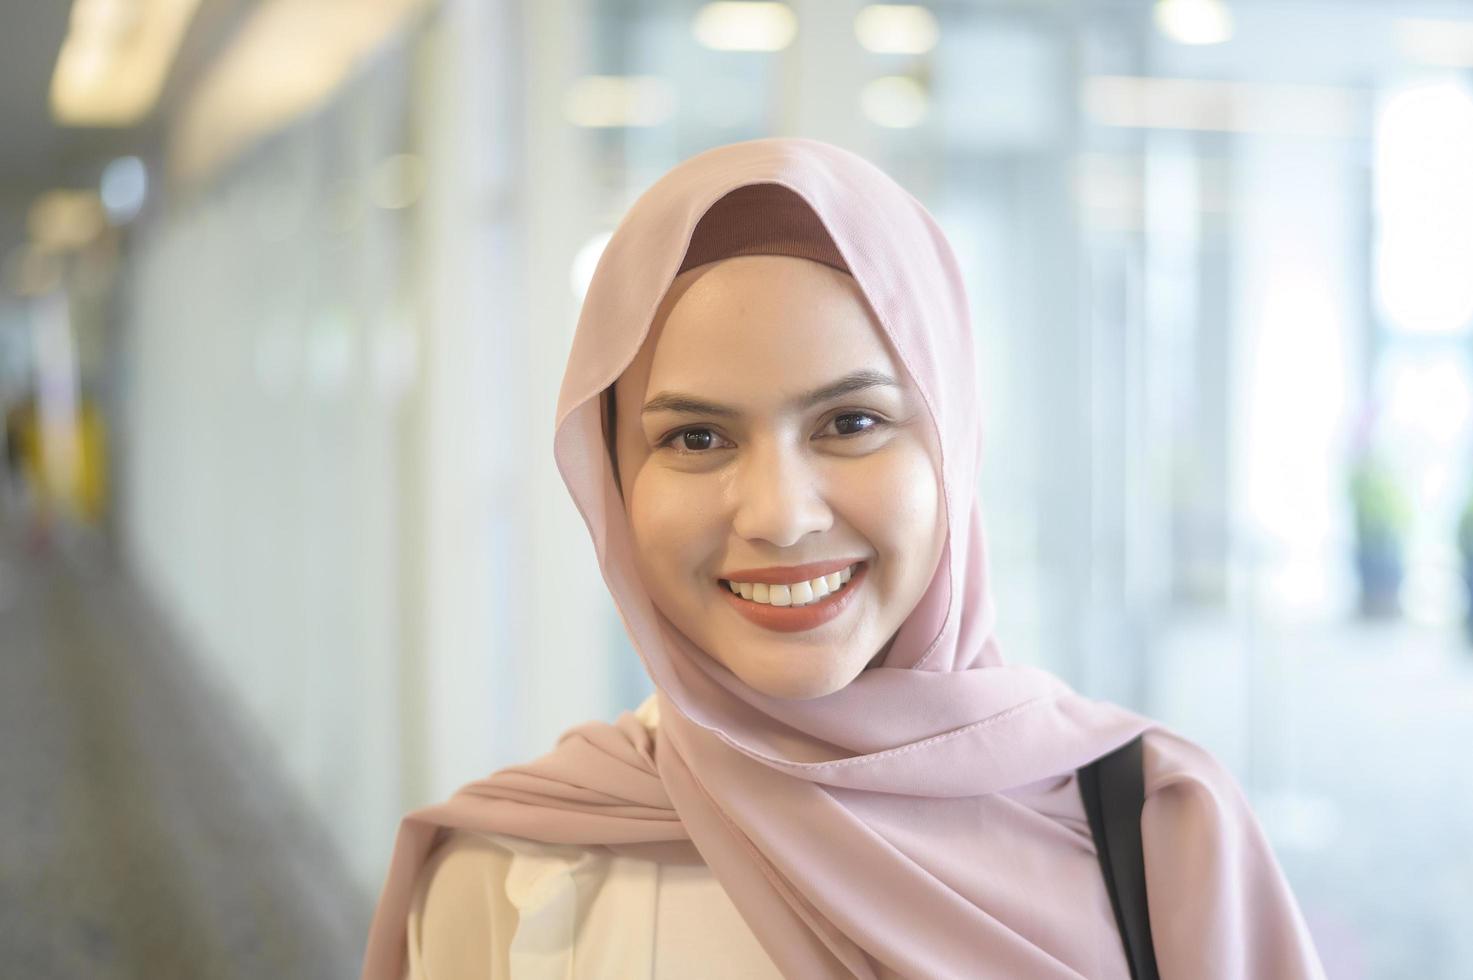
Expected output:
{"points": [[288, 286]]}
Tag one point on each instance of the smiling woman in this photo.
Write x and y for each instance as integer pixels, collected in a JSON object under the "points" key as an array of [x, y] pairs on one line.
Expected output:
{"points": [[797, 446], [769, 422]]}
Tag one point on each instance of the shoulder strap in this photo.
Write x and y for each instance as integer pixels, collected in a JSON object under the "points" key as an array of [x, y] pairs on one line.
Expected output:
{"points": [[1114, 791]]}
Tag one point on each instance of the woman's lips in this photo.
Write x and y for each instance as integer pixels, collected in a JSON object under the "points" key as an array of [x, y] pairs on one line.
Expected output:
{"points": [[791, 575], [793, 619]]}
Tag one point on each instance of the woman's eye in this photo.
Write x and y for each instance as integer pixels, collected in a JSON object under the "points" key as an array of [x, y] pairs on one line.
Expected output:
{"points": [[700, 441], [850, 423], [692, 442]]}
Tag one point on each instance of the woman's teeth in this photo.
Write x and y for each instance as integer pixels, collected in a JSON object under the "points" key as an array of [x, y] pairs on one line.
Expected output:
{"points": [[797, 594]]}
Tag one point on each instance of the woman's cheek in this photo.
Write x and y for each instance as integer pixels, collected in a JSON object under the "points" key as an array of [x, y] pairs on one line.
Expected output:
{"points": [[893, 498], [671, 514]]}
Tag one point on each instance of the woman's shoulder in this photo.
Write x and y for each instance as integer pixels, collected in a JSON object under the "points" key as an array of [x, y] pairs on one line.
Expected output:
{"points": [[458, 914], [466, 858], [1215, 887], [476, 891], [1173, 763], [1195, 804], [490, 898], [461, 853]]}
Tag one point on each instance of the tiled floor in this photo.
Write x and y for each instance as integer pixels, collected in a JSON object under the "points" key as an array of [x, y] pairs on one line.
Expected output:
{"points": [[142, 832]]}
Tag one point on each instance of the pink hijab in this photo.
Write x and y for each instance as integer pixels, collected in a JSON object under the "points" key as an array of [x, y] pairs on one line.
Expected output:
{"points": [[923, 821]]}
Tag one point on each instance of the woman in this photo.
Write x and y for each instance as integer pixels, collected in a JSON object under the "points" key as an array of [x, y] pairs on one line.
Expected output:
{"points": [[771, 393]]}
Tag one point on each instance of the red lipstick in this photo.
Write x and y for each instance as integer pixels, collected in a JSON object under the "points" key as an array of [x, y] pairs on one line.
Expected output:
{"points": [[787, 575], [794, 619]]}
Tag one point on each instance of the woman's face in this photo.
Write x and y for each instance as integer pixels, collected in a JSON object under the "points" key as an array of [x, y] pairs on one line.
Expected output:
{"points": [[731, 472]]}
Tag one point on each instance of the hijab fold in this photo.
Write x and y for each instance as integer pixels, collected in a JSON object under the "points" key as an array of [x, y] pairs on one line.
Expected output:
{"points": [[922, 820]]}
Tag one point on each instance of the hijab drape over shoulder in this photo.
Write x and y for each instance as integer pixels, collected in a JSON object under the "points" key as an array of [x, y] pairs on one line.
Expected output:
{"points": [[922, 821]]}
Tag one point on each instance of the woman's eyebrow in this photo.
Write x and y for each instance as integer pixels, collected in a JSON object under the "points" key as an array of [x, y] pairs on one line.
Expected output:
{"points": [[674, 401]]}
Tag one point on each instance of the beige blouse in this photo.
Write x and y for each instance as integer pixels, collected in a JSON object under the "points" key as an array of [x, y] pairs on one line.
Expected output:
{"points": [[492, 906]]}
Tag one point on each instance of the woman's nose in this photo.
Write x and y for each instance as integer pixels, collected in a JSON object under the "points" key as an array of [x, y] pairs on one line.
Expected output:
{"points": [[779, 497]]}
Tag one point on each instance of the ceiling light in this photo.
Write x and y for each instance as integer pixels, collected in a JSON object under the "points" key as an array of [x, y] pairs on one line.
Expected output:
{"points": [[286, 60], [893, 28], [114, 59], [745, 26], [1194, 21]]}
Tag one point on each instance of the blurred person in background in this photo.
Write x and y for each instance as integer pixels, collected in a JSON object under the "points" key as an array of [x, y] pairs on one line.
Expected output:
{"points": [[56, 467], [838, 774], [14, 477], [29, 490]]}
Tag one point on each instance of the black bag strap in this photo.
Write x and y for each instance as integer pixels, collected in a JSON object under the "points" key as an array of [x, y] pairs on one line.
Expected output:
{"points": [[1114, 791]]}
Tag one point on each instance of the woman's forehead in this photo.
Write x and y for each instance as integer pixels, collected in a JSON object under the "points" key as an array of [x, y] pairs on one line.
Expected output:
{"points": [[775, 323]]}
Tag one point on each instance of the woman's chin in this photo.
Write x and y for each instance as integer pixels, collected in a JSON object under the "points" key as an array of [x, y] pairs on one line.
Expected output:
{"points": [[795, 682]]}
